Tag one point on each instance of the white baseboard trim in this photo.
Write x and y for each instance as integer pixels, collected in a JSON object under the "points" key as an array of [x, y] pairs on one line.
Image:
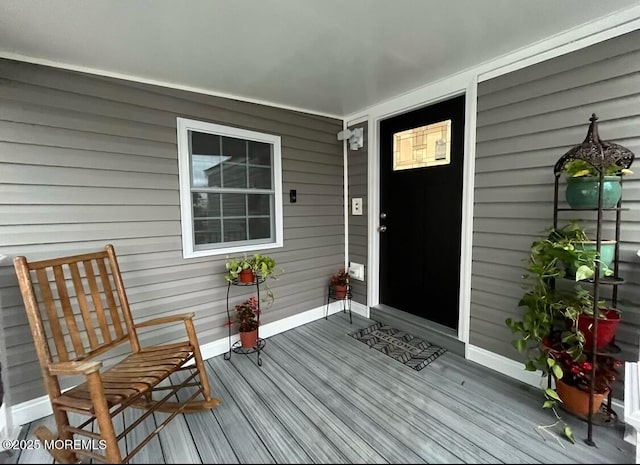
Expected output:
{"points": [[505, 365], [31, 410], [7, 431], [34, 409], [360, 309]]}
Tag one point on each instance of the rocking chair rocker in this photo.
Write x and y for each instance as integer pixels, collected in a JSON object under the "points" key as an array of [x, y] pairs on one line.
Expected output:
{"points": [[86, 316]]}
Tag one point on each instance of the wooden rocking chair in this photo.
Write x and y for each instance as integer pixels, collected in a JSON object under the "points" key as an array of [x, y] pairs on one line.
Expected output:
{"points": [[84, 316]]}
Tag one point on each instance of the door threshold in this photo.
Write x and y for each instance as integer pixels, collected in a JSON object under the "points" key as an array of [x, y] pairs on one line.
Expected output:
{"points": [[433, 332]]}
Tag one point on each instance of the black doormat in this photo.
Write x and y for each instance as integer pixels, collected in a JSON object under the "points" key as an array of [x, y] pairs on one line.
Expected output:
{"points": [[414, 352]]}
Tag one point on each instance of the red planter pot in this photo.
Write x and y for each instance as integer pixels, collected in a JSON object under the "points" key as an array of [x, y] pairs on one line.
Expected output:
{"points": [[576, 401], [340, 292], [246, 276], [606, 329], [249, 339]]}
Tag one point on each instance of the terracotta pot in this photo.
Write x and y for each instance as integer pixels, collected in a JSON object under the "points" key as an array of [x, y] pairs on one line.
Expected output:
{"points": [[606, 329], [340, 292], [576, 401], [246, 276], [249, 339]]}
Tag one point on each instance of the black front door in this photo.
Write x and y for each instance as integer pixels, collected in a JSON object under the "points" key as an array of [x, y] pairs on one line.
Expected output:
{"points": [[421, 156]]}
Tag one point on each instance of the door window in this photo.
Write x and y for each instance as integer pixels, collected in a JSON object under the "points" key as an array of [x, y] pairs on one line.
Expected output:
{"points": [[422, 146]]}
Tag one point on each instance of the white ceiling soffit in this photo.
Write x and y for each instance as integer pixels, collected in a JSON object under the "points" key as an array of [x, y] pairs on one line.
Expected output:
{"points": [[331, 57]]}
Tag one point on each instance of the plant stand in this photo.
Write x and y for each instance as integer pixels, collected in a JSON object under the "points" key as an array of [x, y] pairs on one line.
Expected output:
{"points": [[237, 346], [346, 301], [598, 154]]}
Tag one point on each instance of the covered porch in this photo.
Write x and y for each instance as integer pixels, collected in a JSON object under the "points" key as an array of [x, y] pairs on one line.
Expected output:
{"points": [[322, 396]]}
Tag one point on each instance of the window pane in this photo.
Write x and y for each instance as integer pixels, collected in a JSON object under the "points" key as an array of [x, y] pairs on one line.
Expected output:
{"points": [[235, 149], [207, 232], [260, 204], [422, 147], [205, 159], [203, 143], [259, 178], [205, 205], [259, 228], [234, 175], [259, 153], [235, 230], [234, 205]]}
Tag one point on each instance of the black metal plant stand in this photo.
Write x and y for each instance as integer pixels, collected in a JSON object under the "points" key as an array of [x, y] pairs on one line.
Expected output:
{"points": [[237, 346], [598, 154], [346, 301]]}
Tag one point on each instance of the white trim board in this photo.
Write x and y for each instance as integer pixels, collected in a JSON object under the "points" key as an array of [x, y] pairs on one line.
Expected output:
{"points": [[360, 309], [34, 409]]}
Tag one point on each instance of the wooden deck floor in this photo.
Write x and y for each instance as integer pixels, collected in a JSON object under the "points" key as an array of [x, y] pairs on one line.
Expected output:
{"points": [[324, 397]]}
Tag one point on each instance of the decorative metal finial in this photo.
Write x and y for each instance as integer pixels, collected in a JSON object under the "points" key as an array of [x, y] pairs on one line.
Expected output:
{"points": [[596, 152]]}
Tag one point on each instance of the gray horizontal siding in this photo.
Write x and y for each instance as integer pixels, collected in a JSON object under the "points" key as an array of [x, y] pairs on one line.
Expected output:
{"points": [[358, 235], [86, 160], [526, 121]]}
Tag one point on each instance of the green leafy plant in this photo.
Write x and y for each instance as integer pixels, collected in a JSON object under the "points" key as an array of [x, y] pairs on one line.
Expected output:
{"points": [[263, 266], [581, 168], [235, 266], [546, 309]]}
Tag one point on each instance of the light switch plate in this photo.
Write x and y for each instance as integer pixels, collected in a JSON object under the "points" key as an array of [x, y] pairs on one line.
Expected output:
{"points": [[356, 206]]}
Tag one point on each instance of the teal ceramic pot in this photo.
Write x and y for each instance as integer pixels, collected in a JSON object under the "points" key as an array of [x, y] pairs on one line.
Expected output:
{"points": [[607, 252], [582, 192]]}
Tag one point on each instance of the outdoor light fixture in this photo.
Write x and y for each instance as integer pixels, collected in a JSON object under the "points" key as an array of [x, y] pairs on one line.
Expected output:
{"points": [[355, 137]]}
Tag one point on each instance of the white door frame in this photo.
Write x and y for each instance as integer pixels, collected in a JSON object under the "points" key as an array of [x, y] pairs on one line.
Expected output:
{"points": [[466, 82]]}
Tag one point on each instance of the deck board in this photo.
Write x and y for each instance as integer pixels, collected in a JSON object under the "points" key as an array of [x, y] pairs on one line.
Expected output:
{"points": [[323, 397]]}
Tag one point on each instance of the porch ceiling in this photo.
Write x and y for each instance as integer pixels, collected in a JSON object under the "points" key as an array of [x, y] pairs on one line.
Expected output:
{"points": [[327, 56]]}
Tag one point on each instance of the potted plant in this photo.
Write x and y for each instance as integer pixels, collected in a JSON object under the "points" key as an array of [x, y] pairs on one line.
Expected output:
{"points": [[573, 236], [578, 309], [248, 270], [583, 183], [340, 283], [240, 269], [245, 268], [573, 379], [547, 308], [247, 318]]}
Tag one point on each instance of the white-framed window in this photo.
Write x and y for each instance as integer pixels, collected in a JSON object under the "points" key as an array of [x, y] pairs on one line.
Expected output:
{"points": [[230, 189]]}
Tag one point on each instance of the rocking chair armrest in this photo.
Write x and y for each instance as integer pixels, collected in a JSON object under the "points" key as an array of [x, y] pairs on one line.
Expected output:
{"points": [[165, 319], [74, 368]]}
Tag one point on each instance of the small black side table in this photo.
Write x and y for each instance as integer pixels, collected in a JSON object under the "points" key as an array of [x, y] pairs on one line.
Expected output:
{"points": [[346, 301]]}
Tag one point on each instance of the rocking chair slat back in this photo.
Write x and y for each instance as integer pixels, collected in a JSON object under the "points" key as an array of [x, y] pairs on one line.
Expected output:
{"points": [[83, 316]]}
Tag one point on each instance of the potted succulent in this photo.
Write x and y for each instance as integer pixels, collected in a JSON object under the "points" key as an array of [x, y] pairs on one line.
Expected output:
{"points": [[247, 318], [583, 182], [340, 283]]}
